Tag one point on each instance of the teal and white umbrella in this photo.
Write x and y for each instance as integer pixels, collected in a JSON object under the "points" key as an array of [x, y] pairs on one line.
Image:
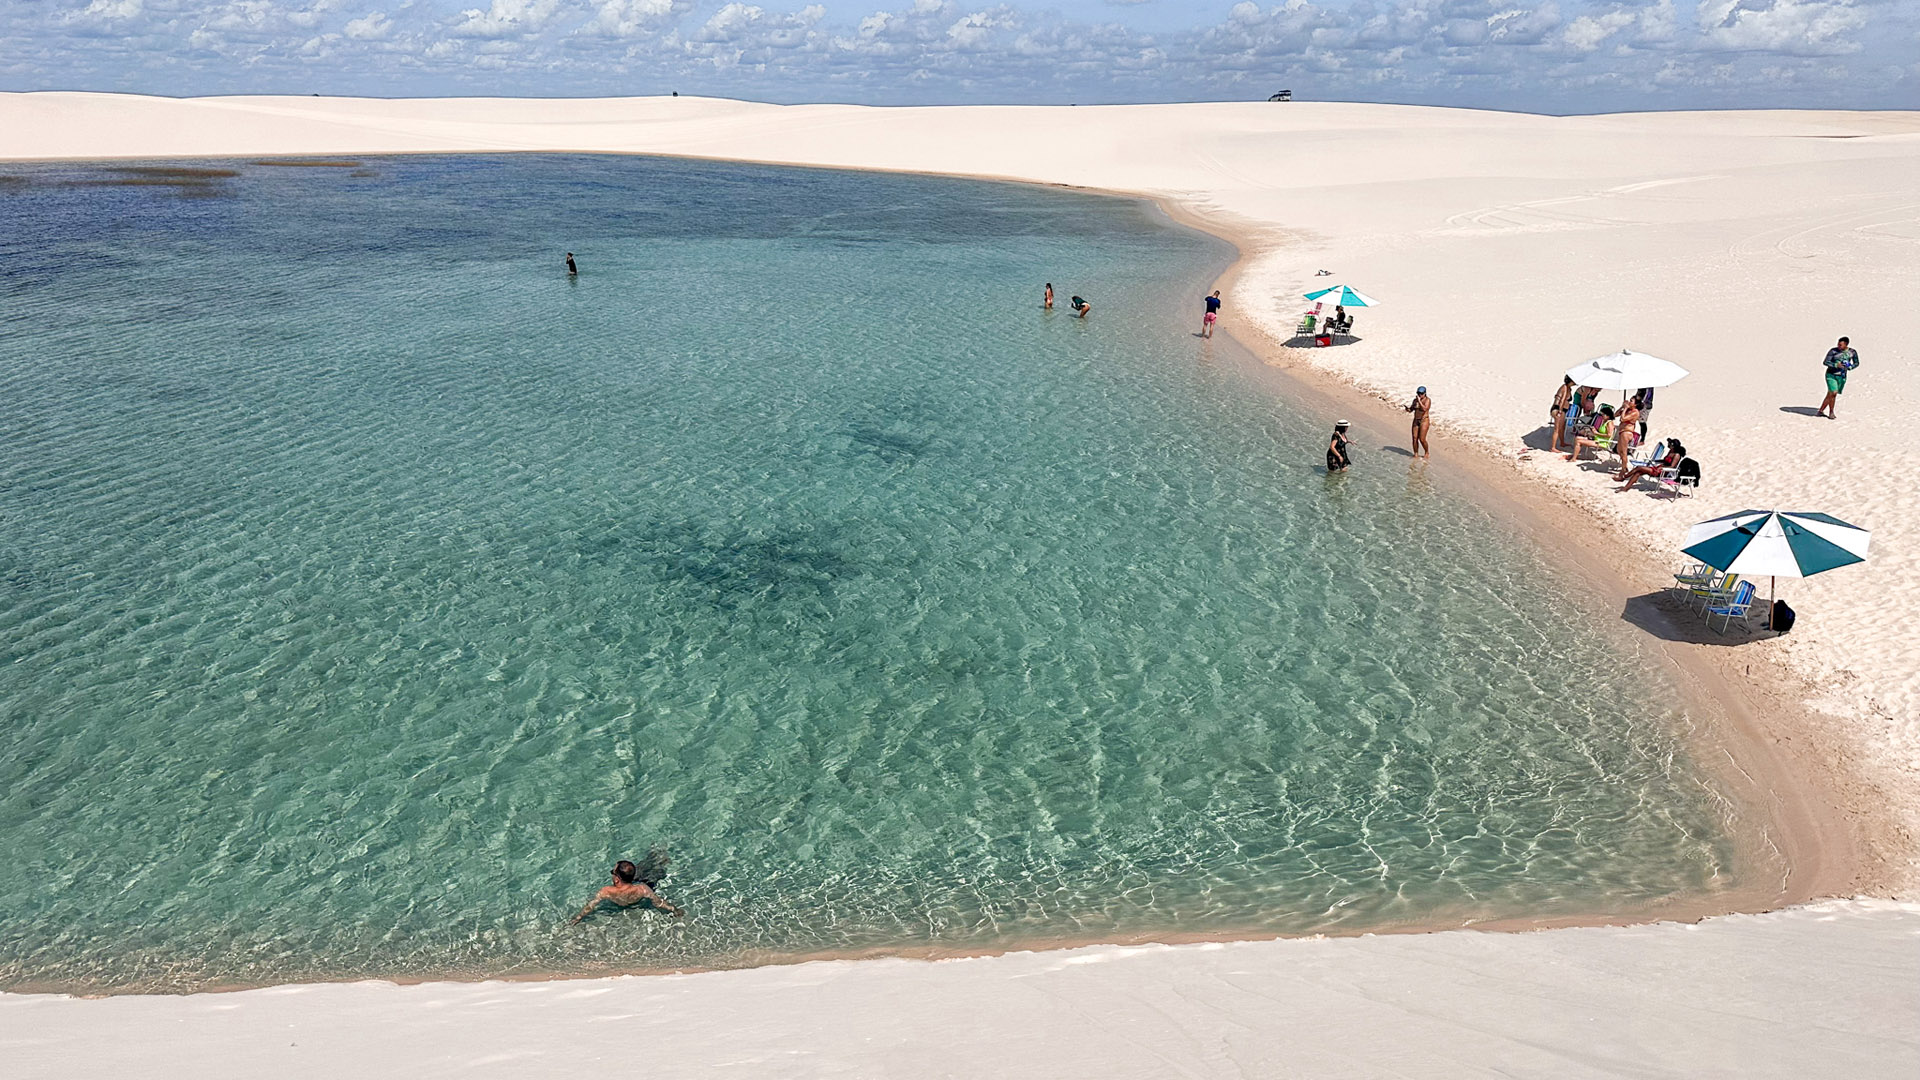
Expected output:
{"points": [[1777, 543], [1343, 296]]}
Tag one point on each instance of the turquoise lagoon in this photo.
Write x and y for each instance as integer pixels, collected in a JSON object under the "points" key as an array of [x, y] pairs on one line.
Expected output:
{"points": [[367, 586]]}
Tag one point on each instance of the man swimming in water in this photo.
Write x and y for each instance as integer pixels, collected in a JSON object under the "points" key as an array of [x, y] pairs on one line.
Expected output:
{"points": [[626, 891]]}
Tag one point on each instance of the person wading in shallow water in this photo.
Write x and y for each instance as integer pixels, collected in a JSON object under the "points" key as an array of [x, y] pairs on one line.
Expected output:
{"points": [[1421, 408], [1337, 460], [626, 891]]}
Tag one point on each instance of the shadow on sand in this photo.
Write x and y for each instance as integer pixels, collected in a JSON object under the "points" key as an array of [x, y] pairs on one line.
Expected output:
{"points": [[1800, 410], [1669, 618], [1307, 341], [1540, 438]]}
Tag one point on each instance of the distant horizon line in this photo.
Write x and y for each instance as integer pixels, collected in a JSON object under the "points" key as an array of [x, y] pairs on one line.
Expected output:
{"points": [[967, 104]]}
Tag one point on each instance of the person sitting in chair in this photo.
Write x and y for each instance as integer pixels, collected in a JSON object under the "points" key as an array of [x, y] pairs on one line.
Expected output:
{"points": [[1594, 436], [1671, 460]]}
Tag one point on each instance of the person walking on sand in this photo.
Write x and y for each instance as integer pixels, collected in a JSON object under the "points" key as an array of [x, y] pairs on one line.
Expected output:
{"points": [[1080, 307], [1212, 315], [572, 270], [1841, 359], [1562, 401], [1421, 407], [1046, 301], [626, 891], [1337, 459]]}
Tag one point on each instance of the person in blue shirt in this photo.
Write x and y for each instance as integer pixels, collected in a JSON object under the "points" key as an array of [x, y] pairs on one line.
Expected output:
{"points": [[1841, 359], [1212, 315]]}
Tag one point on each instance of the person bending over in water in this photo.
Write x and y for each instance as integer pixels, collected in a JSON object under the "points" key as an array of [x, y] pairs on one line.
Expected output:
{"points": [[626, 891], [1420, 407], [1080, 307], [1337, 460]]}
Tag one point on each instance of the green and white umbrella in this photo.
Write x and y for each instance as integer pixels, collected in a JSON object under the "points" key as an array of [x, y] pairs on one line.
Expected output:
{"points": [[1776, 543], [1343, 296]]}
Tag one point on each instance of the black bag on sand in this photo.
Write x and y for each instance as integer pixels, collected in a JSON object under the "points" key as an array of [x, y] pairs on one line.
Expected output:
{"points": [[1782, 617]]}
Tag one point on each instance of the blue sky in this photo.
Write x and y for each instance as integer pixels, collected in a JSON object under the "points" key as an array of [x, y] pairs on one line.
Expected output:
{"points": [[1531, 55]]}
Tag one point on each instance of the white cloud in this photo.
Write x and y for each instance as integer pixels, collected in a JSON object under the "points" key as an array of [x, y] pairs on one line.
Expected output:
{"points": [[373, 26], [625, 18], [1587, 32], [970, 31], [1785, 26], [505, 18], [109, 9]]}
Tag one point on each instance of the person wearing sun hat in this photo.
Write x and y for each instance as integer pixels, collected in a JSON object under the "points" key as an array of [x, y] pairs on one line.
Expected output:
{"points": [[1421, 406], [1337, 460]]}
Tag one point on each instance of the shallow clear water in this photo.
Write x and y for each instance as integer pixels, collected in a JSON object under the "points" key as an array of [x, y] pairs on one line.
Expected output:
{"points": [[367, 587]]}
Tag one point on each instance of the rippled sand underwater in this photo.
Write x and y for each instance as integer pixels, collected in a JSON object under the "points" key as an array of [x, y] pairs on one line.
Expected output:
{"points": [[367, 586]]}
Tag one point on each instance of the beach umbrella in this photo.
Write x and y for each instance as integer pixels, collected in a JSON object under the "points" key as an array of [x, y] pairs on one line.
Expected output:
{"points": [[1627, 370], [1343, 296], [1776, 543]]}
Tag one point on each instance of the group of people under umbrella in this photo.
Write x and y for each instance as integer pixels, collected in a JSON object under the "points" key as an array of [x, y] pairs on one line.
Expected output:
{"points": [[1732, 551]]}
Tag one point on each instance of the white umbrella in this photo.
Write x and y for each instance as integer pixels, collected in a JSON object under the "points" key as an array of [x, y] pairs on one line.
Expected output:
{"points": [[1627, 370]]}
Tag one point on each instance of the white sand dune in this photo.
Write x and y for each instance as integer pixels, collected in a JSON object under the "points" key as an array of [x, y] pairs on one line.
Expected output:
{"points": [[1507, 248], [1823, 991]]}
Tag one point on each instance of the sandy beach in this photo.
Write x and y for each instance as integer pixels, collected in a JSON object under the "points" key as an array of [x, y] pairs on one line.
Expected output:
{"points": [[1818, 991], [1505, 249]]}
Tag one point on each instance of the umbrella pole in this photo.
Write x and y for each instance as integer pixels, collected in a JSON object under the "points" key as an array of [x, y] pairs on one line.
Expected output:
{"points": [[1771, 583]]}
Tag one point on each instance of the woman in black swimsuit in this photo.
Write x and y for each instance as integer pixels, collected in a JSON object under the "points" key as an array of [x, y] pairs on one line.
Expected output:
{"points": [[1337, 460]]}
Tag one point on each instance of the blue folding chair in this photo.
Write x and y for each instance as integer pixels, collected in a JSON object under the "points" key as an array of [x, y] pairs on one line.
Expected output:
{"points": [[1740, 605]]}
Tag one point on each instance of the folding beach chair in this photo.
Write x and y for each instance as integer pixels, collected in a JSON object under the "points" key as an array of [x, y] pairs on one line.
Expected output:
{"points": [[1682, 479], [1714, 592], [1740, 603]]}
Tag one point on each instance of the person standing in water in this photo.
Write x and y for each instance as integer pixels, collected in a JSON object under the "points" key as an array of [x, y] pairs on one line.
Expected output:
{"points": [[626, 891], [1047, 301], [572, 270], [1080, 307], [1212, 315], [1841, 360], [1337, 460], [1421, 406]]}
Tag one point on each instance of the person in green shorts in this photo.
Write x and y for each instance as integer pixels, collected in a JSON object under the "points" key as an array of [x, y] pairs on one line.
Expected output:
{"points": [[1840, 360]]}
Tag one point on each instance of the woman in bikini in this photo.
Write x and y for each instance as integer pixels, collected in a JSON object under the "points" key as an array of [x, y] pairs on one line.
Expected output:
{"points": [[1421, 407]]}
